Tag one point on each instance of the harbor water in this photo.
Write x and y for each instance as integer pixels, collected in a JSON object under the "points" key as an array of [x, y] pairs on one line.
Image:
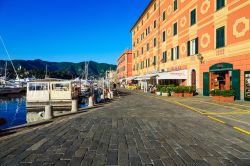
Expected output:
{"points": [[12, 111]]}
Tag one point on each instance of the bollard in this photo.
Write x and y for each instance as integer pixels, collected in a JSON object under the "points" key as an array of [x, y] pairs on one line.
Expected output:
{"points": [[111, 94], [74, 107], [91, 101], [48, 114]]}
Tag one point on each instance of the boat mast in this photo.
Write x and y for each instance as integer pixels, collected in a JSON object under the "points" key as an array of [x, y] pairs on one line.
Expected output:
{"points": [[5, 70], [17, 77], [46, 71]]}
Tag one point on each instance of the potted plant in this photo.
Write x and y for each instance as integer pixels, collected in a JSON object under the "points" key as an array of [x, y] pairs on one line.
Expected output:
{"points": [[227, 96], [165, 91], [158, 90], [188, 91], [178, 91]]}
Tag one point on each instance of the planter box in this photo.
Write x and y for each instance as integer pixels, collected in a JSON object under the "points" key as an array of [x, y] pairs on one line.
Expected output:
{"points": [[216, 98], [158, 93], [178, 94], [223, 99], [165, 94], [188, 94], [227, 99]]}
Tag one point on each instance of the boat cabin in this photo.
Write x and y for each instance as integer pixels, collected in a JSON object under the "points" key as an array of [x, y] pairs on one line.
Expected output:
{"points": [[51, 91]]}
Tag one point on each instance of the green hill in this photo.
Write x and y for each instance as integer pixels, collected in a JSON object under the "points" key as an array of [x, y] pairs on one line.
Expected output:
{"points": [[66, 70]]}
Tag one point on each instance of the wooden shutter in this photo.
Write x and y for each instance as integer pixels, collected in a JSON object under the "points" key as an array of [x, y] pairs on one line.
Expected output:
{"points": [[236, 83], [177, 52], [172, 54], [206, 84], [188, 48], [196, 46]]}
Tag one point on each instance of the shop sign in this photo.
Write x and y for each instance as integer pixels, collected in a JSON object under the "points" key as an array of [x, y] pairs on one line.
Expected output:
{"points": [[247, 85], [221, 67]]}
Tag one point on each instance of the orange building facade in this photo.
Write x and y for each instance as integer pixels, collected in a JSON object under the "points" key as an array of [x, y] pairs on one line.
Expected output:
{"points": [[124, 67], [208, 41]]}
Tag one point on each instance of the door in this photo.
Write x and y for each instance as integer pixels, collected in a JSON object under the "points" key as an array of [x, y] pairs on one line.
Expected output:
{"points": [[236, 83], [206, 83], [193, 79], [247, 85]]}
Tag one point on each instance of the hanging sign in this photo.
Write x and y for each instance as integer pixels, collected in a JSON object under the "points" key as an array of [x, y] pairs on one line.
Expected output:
{"points": [[247, 85]]}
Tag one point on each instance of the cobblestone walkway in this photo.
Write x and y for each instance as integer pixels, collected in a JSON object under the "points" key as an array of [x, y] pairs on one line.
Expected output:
{"points": [[134, 130]]}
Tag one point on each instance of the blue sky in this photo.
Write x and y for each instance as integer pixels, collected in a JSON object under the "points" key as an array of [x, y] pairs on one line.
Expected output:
{"points": [[68, 30]]}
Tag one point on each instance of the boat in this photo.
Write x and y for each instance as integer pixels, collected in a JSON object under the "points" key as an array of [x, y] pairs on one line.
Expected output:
{"points": [[15, 86]]}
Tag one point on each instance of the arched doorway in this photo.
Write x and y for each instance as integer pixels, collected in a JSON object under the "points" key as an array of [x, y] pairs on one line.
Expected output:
{"points": [[193, 78]]}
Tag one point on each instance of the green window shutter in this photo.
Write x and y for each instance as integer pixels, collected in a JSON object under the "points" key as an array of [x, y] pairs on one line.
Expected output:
{"points": [[154, 60], [177, 52], [163, 36], [148, 62], [220, 37], [175, 5], [172, 54], [175, 28], [196, 46], [206, 84], [236, 83], [164, 16], [188, 48], [220, 4], [193, 17]]}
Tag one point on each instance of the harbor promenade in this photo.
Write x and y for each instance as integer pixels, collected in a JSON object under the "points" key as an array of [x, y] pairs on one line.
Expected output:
{"points": [[135, 129]]}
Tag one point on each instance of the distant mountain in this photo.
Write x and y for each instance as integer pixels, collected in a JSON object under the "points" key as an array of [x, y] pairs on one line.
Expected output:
{"points": [[65, 70]]}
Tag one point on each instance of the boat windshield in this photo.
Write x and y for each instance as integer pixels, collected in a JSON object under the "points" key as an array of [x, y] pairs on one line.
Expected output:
{"points": [[38, 86]]}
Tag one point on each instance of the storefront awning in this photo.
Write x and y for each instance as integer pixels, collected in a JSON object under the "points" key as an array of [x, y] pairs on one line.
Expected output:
{"points": [[130, 78], [145, 77], [173, 75]]}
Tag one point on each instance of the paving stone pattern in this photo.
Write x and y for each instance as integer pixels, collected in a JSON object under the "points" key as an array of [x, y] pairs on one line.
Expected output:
{"points": [[133, 130]]}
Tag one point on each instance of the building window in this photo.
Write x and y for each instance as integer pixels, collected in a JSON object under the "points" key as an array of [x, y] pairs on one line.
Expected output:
{"points": [[164, 57], [220, 37], [154, 6], [175, 5], [175, 29], [142, 50], [193, 17], [163, 36], [175, 53], [147, 46], [137, 66], [154, 23], [137, 53], [148, 62], [154, 42], [137, 40], [154, 60], [192, 47], [134, 55], [141, 22], [220, 4], [147, 15], [164, 16]]}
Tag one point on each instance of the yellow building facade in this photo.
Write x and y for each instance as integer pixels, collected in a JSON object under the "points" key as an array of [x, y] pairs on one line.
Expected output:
{"points": [[197, 39]]}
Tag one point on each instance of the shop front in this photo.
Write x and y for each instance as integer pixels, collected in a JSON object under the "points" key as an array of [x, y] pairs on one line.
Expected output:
{"points": [[222, 76], [247, 85], [174, 77]]}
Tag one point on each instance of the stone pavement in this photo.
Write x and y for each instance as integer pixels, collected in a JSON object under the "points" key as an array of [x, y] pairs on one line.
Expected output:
{"points": [[134, 130]]}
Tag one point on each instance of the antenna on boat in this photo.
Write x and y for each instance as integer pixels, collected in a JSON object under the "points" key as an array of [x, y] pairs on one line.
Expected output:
{"points": [[8, 56]]}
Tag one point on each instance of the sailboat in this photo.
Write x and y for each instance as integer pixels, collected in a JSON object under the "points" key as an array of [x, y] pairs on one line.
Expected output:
{"points": [[6, 86]]}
